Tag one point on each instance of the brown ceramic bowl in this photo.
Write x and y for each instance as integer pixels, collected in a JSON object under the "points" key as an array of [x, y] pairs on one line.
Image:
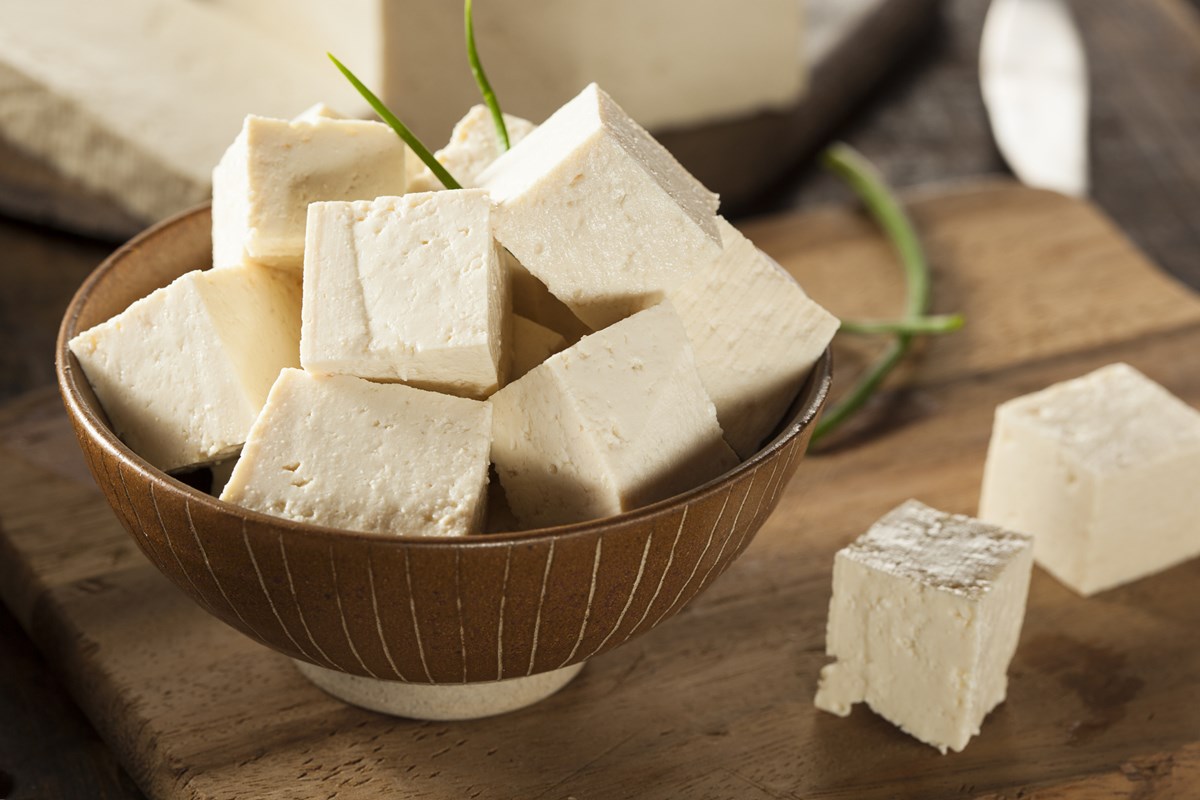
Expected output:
{"points": [[474, 608]]}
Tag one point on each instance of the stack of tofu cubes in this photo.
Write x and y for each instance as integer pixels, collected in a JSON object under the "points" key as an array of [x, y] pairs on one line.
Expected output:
{"points": [[577, 315]]}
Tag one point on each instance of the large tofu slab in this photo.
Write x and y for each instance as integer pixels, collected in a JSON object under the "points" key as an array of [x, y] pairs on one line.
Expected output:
{"points": [[472, 148], [1103, 471], [669, 62], [756, 335], [406, 289], [601, 213], [183, 372], [614, 422], [137, 99], [274, 169], [926, 612], [385, 458]]}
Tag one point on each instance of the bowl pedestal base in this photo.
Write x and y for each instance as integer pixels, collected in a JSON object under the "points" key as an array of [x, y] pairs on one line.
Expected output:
{"points": [[443, 701]]}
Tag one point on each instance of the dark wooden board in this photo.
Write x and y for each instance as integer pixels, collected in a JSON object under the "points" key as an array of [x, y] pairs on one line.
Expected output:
{"points": [[1104, 694], [851, 45]]}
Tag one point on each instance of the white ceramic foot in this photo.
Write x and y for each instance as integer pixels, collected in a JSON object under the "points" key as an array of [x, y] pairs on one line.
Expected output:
{"points": [[442, 701]]}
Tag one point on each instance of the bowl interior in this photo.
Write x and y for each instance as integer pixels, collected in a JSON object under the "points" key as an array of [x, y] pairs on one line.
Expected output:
{"points": [[183, 243]]}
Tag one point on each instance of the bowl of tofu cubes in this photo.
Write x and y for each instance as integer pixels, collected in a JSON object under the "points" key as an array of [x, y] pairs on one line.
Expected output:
{"points": [[443, 447]]}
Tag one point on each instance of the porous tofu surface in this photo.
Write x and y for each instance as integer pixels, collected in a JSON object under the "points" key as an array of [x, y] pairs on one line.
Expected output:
{"points": [[756, 335], [266, 179], [472, 148], [406, 289], [600, 212], [616, 421], [348, 453], [1102, 471], [926, 612], [183, 372]]}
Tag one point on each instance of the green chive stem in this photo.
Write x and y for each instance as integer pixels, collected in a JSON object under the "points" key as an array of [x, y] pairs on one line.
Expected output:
{"points": [[940, 323], [407, 136], [485, 87], [885, 208]]}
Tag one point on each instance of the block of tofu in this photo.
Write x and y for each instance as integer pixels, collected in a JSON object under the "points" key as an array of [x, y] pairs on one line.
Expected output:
{"points": [[926, 612], [756, 335], [183, 372], [135, 100], [531, 345], [668, 61], [384, 458], [406, 289], [1103, 472], [274, 169], [601, 213], [472, 148], [614, 422]]}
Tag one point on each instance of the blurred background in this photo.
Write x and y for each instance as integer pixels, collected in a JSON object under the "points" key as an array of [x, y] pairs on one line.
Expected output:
{"points": [[113, 114]]}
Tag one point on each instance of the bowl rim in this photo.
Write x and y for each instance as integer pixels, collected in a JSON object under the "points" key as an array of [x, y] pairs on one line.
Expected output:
{"points": [[807, 404]]}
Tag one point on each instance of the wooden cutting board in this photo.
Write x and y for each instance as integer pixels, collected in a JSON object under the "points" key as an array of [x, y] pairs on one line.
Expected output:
{"points": [[1104, 696]]}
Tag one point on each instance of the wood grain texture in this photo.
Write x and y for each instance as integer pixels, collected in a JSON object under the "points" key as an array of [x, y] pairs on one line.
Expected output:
{"points": [[1103, 700], [927, 122]]}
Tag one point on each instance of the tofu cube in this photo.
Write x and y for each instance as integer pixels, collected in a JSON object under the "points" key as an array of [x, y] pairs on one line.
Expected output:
{"points": [[183, 372], [614, 422], [265, 181], [1102, 471], [532, 344], [756, 335], [926, 612], [384, 458], [600, 212], [472, 148], [406, 289]]}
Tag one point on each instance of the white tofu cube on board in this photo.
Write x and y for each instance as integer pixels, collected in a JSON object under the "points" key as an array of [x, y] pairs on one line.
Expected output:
{"points": [[472, 148], [135, 100], [532, 344], [1103, 471], [183, 372], [348, 453], [756, 335], [266, 179], [616, 421], [407, 289], [926, 613], [600, 212]]}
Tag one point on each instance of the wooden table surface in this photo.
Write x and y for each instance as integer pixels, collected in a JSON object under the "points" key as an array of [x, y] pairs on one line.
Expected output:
{"points": [[925, 125]]}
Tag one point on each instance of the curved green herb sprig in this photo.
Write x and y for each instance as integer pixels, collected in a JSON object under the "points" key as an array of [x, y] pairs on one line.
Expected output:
{"points": [[882, 205], [407, 136], [485, 87], [935, 324]]}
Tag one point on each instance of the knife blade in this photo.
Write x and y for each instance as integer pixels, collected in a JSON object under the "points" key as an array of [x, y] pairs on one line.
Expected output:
{"points": [[1033, 74]]}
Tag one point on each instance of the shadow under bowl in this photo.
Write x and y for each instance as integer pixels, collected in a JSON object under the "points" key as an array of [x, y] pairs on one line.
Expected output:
{"points": [[421, 610]]}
